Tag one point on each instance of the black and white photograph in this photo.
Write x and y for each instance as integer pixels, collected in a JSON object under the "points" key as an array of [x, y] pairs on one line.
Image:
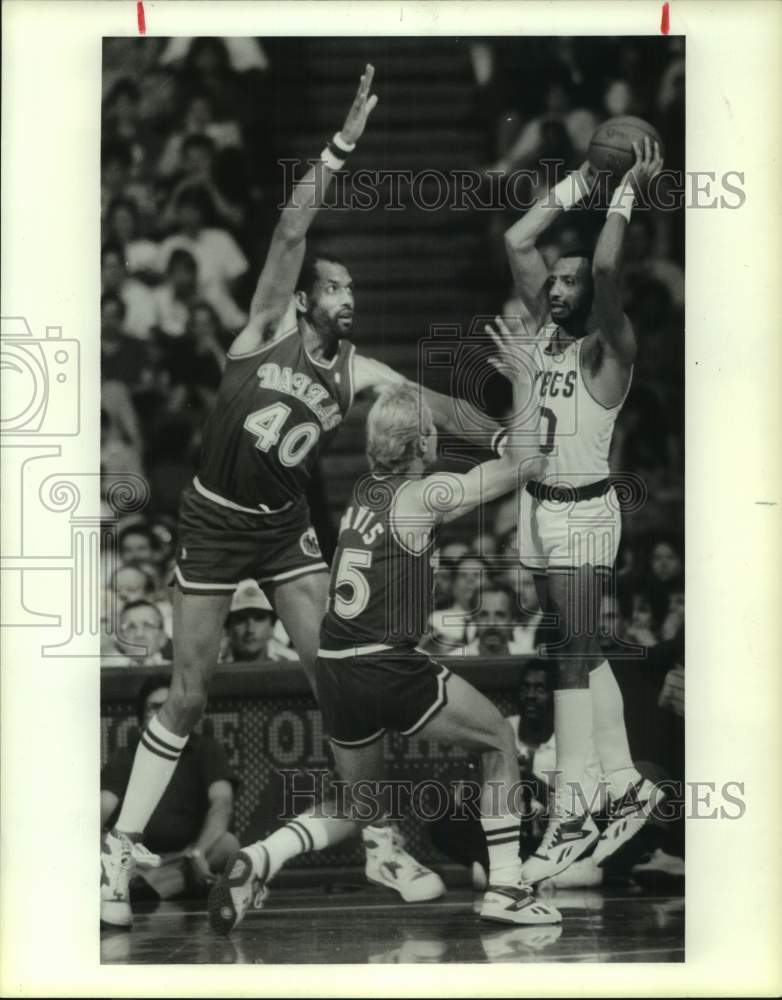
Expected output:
{"points": [[375, 572]]}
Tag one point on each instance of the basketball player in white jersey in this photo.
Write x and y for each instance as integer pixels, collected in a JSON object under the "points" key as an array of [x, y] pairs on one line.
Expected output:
{"points": [[569, 521]]}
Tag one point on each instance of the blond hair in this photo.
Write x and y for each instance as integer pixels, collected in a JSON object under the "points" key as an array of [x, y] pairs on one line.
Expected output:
{"points": [[398, 419]]}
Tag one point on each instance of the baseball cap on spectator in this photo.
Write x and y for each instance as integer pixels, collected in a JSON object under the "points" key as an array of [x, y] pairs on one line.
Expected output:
{"points": [[248, 601]]}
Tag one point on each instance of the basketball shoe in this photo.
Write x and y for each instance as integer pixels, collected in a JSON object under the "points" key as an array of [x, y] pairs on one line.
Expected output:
{"points": [[389, 864], [627, 815], [566, 839], [119, 856], [241, 886], [517, 904]]}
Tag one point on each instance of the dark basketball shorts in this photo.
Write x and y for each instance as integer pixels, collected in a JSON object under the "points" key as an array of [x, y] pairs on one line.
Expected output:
{"points": [[220, 544], [360, 697]]}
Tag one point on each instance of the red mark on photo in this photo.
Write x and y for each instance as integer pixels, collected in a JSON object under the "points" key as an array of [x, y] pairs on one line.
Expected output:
{"points": [[665, 21], [142, 24]]}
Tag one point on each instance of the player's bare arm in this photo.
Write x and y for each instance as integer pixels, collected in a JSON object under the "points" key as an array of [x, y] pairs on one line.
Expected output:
{"points": [[454, 416], [612, 346], [530, 274], [281, 269], [442, 497]]}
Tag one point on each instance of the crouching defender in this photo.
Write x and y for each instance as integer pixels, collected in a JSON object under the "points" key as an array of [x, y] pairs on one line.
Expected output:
{"points": [[370, 676]]}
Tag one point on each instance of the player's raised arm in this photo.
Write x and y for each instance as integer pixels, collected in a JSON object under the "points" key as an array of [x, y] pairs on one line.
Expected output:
{"points": [[454, 416], [526, 262], [613, 326], [280, 273], [442, 497]]}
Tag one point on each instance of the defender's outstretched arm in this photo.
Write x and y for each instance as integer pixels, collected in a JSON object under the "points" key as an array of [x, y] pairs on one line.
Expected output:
{"points": [[281, 269]]}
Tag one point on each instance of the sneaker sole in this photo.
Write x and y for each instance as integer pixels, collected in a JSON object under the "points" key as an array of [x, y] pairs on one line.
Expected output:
{"points": [[120, 920], [222, 912], [501, 917]]}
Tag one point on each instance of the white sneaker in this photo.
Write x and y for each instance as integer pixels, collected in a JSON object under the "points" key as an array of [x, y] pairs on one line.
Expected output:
{"points": [[582, 874], [388, 864], [118, 858], [628, 814], [517, 904], [566, 839], [237, 889]]}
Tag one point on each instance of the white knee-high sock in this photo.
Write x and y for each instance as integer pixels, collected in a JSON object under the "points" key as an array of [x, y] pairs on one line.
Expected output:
{"points": [[157, 756], [610, 732], [573, 735], [502, 840], [303, 834]]}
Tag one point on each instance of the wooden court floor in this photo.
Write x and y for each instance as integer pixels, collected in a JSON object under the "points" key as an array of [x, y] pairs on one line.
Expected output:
{"points": [[362, 924]]}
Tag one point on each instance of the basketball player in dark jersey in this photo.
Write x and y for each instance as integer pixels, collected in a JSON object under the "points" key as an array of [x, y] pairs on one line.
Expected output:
{"points": [[290, 379], [370, 676]]}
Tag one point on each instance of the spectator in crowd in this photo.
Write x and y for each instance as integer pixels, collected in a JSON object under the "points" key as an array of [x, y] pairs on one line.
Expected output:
{"points": [[191, 827], [199, 121], [120, 117], [140, 255], [219, 259], [450, 627], [137, 298], [674, 616], [123, 359], [644, 624], [249, 628], [117, 181], [529, 631], [195, 362], [493, 624], [131, 584], [199, 171], [137, 545], [665, 566], [176, 296], [141, 635]]}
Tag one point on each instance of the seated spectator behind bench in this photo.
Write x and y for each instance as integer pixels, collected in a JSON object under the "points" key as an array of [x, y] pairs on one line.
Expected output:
{"points": [[250, 628], [141, 636], [190, 828]]}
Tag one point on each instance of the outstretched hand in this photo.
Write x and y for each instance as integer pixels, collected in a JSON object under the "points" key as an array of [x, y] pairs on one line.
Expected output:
{"points": [[648, 163], [361, 108], [515, 357]]}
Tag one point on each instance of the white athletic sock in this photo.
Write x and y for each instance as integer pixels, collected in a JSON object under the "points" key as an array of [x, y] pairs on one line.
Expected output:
{"points": [[573, 735], [156, 759], [610, 733], [502, 839], [304, 834]]}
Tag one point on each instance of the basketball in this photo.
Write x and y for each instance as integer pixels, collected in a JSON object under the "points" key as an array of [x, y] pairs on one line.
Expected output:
{"points": [[611, 147]]}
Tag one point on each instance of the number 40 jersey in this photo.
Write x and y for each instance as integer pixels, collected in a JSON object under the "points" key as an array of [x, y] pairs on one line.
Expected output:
{"points": [[277, 408]]}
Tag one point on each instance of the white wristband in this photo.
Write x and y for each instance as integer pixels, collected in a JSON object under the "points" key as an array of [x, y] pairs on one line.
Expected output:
{"points": [[622, 201], [342, 144], [570, 191], [331, 161]]}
